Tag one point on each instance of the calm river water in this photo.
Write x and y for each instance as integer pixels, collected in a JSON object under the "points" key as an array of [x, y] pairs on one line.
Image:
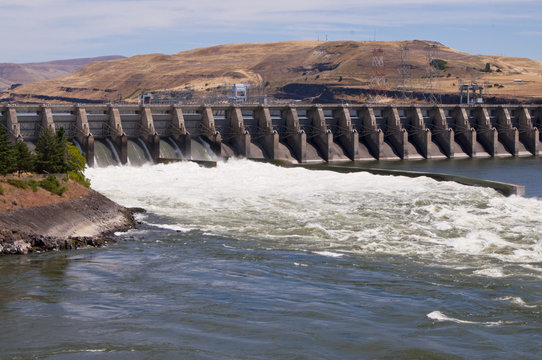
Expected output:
{"points": [[252, 261]]}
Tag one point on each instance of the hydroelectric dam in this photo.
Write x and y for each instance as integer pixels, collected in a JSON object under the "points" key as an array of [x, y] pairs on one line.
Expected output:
{"points": [[296, 133]]}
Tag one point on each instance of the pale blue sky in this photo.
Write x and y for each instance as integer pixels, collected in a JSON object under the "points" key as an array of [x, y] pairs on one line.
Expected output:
{"points": [[41, 30]]}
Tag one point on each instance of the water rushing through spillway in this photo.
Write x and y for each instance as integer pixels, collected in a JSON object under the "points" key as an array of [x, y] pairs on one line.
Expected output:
{"points": [[445, 224], [253, 261]]}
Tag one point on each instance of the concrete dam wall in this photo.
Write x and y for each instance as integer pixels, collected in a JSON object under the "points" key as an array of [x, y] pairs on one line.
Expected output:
{"points": [[297, 133]]}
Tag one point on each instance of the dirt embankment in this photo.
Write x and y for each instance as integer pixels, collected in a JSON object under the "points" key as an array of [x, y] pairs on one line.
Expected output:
{"points": [[82, 217]]}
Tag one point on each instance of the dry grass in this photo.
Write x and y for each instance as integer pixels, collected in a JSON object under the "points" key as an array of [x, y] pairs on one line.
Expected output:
{"points": [[16, 198], [281, 63]]}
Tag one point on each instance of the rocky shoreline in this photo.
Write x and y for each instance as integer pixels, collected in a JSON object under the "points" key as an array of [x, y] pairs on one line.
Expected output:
{"points": [[86, 221]]}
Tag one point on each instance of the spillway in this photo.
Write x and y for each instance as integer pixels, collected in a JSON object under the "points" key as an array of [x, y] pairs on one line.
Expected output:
{"points": [[303, 133], [138, 154], [170, 150], [104, 154]]}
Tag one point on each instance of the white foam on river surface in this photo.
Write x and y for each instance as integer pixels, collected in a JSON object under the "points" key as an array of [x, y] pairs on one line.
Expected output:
{"points": [[441, 223], [440, 317]]}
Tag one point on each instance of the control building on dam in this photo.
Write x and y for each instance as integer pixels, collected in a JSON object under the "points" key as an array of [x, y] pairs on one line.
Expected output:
{"points": [[302, 133]]}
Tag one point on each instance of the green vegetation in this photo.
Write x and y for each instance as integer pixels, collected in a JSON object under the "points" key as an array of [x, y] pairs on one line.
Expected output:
{"points": [[487, 69], [23, 184], [6, 153], [1, 190], [132, 94], [33, 184], [51, 184], [18, 183], [53, 154], [439, 64], [79, 178], [23, 159]]}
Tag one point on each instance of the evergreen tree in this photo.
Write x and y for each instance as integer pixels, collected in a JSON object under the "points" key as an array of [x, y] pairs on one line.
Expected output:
{"points": [[46, 152], [24, 160], [61, 151], [7, 158], [487, 69]]}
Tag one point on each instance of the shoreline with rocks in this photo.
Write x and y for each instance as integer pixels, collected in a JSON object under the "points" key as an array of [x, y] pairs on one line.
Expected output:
{"points": [[86, 221]]}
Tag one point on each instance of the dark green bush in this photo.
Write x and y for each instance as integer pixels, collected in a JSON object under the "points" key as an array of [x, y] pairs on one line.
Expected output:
{"points": [[439, 64], [33, 184], [487, 69], [18, 183], [52, 185]]}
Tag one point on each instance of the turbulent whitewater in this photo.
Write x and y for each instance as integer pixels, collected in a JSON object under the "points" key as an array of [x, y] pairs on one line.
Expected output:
{"points": [[475, 230], [253, 261]]}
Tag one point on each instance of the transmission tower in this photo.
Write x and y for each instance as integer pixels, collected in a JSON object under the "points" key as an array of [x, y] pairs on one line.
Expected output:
{"points": [[378, 75], [432, 74], [405, 73]]}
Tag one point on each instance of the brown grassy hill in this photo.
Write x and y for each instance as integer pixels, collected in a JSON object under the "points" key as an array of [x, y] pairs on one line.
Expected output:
{"points": [[11, 73], [336, 63], [12, 197]]}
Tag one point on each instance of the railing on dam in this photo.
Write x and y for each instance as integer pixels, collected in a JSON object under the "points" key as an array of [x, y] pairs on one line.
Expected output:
{"points": [[302, 133]]}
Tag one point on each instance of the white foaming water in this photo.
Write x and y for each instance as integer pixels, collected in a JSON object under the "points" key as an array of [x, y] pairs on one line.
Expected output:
{"points": [[322, 211], [113, 150], [440, 317], [516, 300], [329, 254]]}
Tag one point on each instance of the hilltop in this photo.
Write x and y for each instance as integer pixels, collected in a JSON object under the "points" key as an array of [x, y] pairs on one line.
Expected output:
{"points": [[11, 73], [318, 70]]}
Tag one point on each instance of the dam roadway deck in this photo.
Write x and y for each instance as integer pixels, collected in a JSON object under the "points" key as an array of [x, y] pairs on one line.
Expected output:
{"points": [[296, 133]]}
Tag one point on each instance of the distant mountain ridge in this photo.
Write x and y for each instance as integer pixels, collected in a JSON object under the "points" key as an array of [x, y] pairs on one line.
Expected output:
{"points": [[12, 73]]}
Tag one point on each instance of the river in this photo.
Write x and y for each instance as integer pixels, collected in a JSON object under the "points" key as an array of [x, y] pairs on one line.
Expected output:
{"points": [[252, 261]]}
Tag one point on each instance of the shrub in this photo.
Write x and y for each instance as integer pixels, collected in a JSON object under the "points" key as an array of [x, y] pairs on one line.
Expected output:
{"points": [[33, 184], [487, 69], [52, 185], [79, 178], [20, 184], [1, 190], [439, 64]]}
